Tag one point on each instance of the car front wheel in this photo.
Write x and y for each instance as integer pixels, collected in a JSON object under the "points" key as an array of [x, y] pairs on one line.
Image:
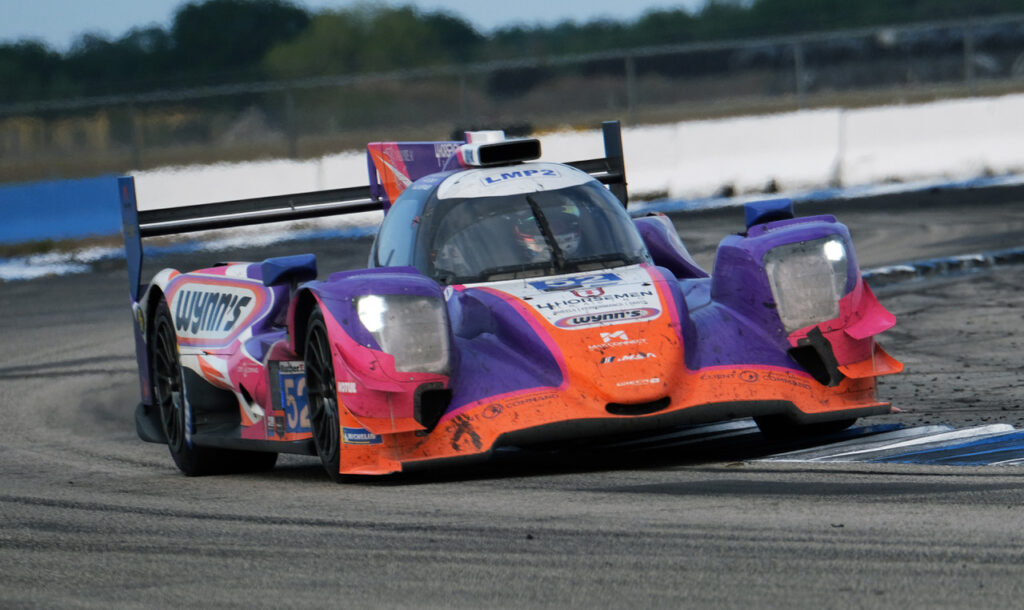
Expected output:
{"points": [[323, 397]]}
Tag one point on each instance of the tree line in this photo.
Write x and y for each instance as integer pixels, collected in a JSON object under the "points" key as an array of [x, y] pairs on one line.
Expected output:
{"points": [[219, 41]]}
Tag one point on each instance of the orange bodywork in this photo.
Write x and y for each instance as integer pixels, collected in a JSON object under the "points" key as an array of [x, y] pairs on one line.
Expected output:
{"points": [[641, 365]]}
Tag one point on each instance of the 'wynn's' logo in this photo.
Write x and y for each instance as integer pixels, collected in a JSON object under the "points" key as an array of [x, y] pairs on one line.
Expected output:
{"points": [[199, 313], [627, 315]]}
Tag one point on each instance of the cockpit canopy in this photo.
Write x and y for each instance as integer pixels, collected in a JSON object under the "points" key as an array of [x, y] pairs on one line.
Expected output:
{"points": [[466, 239]]}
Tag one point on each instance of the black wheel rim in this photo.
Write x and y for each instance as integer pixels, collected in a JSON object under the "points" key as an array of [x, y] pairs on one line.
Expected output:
{"points": [[323, 400], [167, 383]]}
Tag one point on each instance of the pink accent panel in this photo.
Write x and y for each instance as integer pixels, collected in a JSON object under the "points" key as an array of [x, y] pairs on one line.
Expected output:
{"points": [[383, 393], [865, 317], [870, 317], [221, 270], [848, 350], [256, 431], [861, 317], [372, 368], [247, 372], [361, 359]]}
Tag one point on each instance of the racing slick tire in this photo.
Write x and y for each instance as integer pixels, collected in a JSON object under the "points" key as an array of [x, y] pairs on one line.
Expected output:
{"points": [[780, 427], [321, 391], [169, 399]]}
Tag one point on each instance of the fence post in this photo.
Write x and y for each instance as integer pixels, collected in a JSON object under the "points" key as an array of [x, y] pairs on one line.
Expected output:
{"points": [[798, 74], [291, 127], [631, 89], [969, 56], [137, 136], [463, 98]]}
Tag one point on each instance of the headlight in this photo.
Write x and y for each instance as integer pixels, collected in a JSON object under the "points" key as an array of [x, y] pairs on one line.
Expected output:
{"points": [[807, 279], [413, 329]]}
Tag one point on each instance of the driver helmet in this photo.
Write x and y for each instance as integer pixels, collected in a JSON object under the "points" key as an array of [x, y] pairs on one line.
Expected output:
{"points": [[565, 224]]}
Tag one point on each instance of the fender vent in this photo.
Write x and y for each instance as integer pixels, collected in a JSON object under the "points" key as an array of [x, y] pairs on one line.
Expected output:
{"points": [[429, 404], [817, 358], [639, 408]]}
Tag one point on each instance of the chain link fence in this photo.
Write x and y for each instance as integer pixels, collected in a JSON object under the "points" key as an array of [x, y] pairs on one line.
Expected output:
{"points": [[310, 117]]}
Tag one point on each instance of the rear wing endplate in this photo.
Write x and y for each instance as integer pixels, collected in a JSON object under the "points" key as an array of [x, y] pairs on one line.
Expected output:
{"points": [[611, 169], [137, 224]]}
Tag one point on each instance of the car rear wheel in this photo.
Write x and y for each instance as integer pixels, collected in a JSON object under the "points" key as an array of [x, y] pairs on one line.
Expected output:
{"points": [[321, 389], [169, 398]]}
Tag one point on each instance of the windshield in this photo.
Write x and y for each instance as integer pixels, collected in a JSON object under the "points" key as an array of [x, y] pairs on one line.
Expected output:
{"points": [[579, 228]]}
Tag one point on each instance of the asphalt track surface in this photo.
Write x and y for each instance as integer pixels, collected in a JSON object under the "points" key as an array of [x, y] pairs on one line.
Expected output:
{"points": [[92, 517]]}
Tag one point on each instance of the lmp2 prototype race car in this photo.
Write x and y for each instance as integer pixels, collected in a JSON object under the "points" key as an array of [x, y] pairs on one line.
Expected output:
{"points": [[508, 302]]}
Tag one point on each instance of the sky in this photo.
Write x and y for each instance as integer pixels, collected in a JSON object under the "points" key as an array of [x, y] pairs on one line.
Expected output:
{"points": [[59, 22]]}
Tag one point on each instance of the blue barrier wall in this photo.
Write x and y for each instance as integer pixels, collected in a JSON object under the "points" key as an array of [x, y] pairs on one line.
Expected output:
{"points": [[59, 209]]}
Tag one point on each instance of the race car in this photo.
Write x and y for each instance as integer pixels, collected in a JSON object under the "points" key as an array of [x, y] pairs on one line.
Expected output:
{"points": [[507, 302]]}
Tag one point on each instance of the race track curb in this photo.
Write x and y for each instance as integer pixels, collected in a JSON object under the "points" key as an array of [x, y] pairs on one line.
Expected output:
{"points": [[942, 267]]}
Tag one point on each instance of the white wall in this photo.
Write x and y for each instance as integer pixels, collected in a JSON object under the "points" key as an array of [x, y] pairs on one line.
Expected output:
{"points": [[805, 150]]}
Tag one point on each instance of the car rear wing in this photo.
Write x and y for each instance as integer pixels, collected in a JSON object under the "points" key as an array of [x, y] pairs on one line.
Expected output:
{"points": [[137, 224], [609, 170]]}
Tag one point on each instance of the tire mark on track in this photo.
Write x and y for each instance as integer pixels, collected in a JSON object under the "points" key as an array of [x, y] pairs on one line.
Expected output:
{"points": [[56, 374]]}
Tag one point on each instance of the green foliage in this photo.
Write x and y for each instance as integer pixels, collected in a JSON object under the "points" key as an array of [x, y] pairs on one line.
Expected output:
{"points": [[220, 37], [102, 67], [27, 70], [367, 39], [794, 16]]}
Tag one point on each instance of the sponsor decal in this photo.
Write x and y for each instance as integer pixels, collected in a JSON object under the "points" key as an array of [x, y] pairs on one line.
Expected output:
{"points": [[495, 409], [424, 184], [140, 317], [443, 151], [210, 312], [628, 357], [493, 179], [532, 398], [346, 387], [636, 382], [247, 367], [577, 281], [753, 377], [615, 335], [360, 436], [609, 317], [717, 375], [748, 376], [610, 344], [292, 377], [770, 376], [597, 302], [188, 418], [589, 299]]}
